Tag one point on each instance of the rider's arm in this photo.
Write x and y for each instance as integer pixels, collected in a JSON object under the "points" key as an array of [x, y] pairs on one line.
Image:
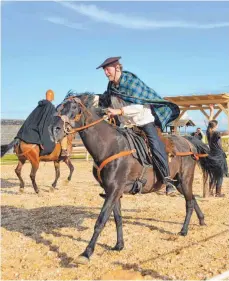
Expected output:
{"points": [[132, 110]]}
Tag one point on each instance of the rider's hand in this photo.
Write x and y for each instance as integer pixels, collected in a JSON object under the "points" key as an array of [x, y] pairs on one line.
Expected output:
{"points": [[112, 112]]}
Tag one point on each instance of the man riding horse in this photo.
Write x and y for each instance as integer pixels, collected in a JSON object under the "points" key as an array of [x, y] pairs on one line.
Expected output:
{"points": [[35, 128], [135, 103]]}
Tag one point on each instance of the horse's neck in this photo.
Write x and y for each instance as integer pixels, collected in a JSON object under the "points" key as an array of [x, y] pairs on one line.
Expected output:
{"points": [[99, 139]]}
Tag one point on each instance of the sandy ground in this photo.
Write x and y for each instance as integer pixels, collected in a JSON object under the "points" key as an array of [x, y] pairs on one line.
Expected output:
{"points": [[41, 236]]}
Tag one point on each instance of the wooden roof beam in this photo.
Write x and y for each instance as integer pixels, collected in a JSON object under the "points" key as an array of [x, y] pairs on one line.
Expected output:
{"points": [[196, 102], [223, 108], [204, 113], [197, 108], [217, 113]]}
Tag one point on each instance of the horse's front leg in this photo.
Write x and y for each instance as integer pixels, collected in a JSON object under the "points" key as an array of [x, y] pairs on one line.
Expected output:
{"points": [[57, 170], [33, 177], [68, 162], [118, 221], [104, 215], [21, 162]]}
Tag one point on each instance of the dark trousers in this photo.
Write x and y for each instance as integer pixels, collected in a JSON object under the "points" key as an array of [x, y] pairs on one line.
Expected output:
{"points": [[157, 147]]}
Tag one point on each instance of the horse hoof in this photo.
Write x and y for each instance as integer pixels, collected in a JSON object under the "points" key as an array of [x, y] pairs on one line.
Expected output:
{"points": [[51, 189], [102, 195], [39, 194], [69, 178], [21, 190], [117, 248], [82, 260], [182, 233], [202, 223]]}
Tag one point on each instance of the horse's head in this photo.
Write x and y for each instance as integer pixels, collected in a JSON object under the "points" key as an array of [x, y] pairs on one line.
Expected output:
{"points": [[71, 114]]}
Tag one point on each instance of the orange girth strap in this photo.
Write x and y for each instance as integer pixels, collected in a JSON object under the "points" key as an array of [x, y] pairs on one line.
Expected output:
{"points": [[196, 156], [27, 151], [111, 158]]}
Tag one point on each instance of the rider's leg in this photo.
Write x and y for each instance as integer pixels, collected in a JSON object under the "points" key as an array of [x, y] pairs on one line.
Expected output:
{"points": [[160, 158]]}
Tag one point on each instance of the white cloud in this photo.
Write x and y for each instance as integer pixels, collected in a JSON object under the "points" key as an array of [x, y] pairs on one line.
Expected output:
{"points": [[100, 15], [64, 22]]}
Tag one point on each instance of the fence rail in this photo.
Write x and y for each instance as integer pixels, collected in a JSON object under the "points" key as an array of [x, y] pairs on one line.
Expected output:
{"points": [[78, 148]]}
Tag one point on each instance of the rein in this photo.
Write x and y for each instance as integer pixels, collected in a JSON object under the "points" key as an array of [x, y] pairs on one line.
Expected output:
{"points": [[65, 119]]}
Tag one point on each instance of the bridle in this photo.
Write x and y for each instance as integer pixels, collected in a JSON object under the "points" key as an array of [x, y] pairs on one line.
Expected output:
{"points": [[84, 112]]}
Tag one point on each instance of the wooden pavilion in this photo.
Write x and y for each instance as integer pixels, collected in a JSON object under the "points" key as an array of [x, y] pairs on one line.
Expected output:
{"points": [[181, 123], [201, 103]]}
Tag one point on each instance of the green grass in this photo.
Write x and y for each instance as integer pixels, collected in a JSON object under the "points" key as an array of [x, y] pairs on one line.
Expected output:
{"points": [[12, 158], [9, 157]]}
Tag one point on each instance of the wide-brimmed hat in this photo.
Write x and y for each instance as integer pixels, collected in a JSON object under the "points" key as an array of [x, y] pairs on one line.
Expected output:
{"points": [[109, 61]]}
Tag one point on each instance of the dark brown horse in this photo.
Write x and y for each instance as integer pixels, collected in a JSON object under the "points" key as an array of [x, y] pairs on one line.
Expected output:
{"points": [[103, 141], [31, 152]]}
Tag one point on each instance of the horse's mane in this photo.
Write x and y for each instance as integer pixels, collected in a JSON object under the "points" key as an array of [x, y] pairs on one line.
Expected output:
{"points": [[87, 97]]}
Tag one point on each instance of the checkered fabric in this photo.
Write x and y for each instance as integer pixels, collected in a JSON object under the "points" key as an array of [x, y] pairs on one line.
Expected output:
{"points": [[132, 89]]}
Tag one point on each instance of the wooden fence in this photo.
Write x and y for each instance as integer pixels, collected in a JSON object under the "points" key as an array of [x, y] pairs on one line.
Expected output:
{"points": [[78, 148]]}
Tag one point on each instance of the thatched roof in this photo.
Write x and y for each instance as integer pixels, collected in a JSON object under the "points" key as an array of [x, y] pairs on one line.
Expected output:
{"points": [[182, 123]]}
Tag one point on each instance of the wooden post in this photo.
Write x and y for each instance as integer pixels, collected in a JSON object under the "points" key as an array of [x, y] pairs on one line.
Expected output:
{"points": [[179, 117]]}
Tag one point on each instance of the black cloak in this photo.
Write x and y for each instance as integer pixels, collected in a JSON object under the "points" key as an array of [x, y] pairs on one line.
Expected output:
{"points": [[35, 128]]}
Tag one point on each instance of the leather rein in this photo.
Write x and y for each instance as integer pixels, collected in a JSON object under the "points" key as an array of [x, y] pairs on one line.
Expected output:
{"points": [[69, 130]]}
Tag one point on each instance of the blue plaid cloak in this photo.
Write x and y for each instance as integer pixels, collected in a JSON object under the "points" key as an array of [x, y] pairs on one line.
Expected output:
{"points": [[132, 89]]}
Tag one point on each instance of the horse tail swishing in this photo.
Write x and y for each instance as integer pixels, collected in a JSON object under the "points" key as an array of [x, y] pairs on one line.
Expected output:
{"points": [[201, 148], [7, 147]]}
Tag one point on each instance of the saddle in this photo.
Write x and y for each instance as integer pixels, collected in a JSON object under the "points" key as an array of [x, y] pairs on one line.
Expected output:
{"points": [[137, 140]]}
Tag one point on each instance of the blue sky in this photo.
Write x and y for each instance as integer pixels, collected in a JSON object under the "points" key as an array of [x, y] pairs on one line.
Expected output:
{"points": [[177, 48]]}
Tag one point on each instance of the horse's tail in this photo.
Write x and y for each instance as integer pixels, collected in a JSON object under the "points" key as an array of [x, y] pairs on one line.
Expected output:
{"points": [[201, 148], [7, 147]]}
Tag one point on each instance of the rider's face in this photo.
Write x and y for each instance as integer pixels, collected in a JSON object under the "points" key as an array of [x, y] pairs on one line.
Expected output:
{"points": [[110, 72]]}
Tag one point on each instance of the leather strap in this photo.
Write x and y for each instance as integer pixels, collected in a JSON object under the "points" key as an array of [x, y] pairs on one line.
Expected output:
{"points": [[195, 155], [111, 158], [27, 151]]}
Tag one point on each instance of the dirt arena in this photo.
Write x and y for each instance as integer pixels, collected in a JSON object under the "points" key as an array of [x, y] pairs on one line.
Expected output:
{"points": [[41, 236]]}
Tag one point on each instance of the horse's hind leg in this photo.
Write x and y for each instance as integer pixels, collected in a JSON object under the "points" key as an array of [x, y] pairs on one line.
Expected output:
{"points": [[189, 211], [70, 166], [21, 162], [199, 213], [118, 221], [57, 170], [184, 186]]}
